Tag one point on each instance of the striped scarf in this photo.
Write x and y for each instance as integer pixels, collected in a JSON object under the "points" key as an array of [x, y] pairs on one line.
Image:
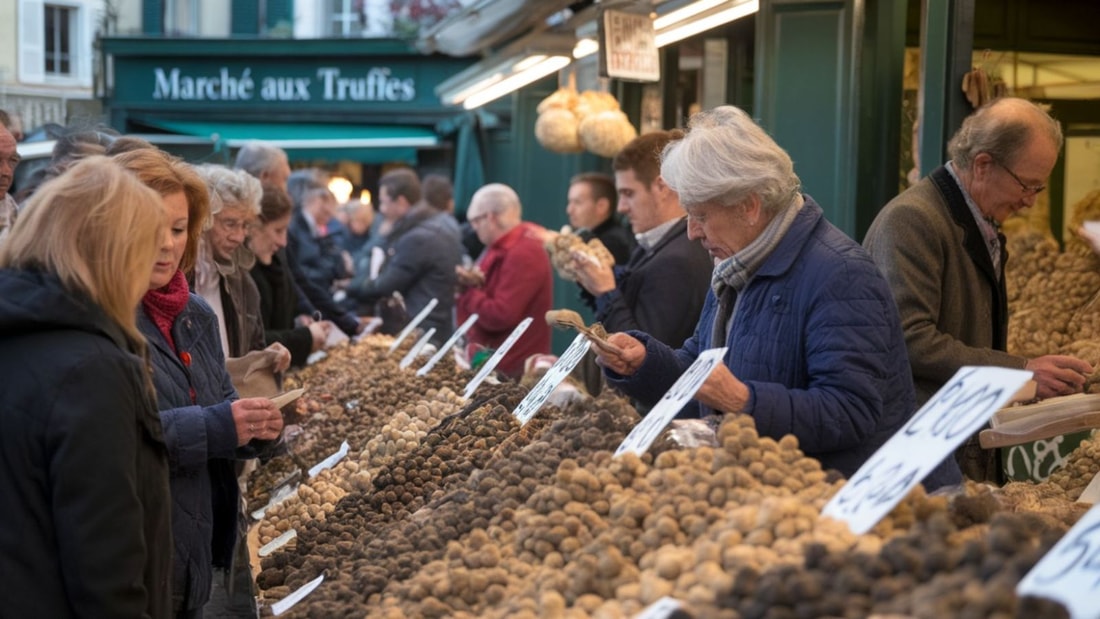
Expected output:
{"points": [[733, 274]]}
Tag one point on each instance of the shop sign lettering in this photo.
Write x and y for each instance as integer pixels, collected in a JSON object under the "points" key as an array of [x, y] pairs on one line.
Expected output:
{"points": [[329, 84]]}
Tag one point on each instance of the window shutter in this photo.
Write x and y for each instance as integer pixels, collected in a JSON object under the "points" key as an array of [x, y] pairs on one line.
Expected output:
{"points": [[32, 44], [83, 44], [277, 11], [152, 17], [245, 17]]}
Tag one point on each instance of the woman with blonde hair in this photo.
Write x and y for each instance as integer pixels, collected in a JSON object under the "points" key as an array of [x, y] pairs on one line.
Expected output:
{"points": [[85, 530], [204, 421]]}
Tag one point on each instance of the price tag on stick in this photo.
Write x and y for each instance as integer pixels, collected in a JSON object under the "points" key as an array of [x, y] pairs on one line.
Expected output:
{"points": [[330, 461], [493, 361], [414, 323], [650, 427], [954, 413], [663, 608], [289, 601], [1070, 572], [538, 394], [447, 346], [415, 350]]}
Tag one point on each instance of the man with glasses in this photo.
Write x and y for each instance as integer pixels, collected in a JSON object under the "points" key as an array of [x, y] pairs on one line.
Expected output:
{"points": [[940, 246]]}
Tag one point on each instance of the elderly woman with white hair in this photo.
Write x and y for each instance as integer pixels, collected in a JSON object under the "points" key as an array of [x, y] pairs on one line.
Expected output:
{"points": [[815, 342]]}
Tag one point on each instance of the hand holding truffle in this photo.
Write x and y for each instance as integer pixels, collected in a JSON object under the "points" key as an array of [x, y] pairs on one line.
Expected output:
{"points": [[256, 418], [627, 361]]}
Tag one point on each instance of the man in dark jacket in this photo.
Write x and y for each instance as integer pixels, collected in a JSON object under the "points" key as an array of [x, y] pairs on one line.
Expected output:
{"points": [[591, 211], [421, 253]]}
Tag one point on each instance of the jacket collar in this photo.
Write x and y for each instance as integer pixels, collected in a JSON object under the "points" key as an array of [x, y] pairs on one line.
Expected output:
{"points": [[787, 251], [973, 241]]}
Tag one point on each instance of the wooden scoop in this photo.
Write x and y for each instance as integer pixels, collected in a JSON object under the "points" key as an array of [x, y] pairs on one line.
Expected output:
{"points": [[568, 319]]}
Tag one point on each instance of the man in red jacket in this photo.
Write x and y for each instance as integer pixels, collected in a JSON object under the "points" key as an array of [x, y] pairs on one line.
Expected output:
{"points": [[512, 279]]}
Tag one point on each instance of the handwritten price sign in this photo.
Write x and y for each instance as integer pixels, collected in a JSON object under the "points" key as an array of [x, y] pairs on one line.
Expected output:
{"points": [[538, 394], [493, 361], [1070, 572], [414, 323], [643, 434], [957, 411], [447, 346]]}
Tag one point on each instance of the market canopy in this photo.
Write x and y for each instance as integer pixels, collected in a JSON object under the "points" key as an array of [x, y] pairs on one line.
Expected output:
{"points": [[364, 143]]}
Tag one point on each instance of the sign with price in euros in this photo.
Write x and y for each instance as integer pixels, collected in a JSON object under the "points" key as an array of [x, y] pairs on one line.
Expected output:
{"points": [[954, 413], [538, 394], [494, 361], [643, 434], [1070, 572]]}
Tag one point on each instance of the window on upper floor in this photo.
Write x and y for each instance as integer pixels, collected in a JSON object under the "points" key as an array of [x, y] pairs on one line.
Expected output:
{"points": [[346, 18], [181, 17], [56, 41], [58, 49]]}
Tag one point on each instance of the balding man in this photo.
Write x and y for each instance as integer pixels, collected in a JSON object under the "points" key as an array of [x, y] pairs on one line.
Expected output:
{"points": [[940, 247], [512, 281], [9, 159]]}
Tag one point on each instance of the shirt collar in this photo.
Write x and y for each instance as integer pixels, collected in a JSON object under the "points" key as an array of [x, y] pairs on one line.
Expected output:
{"points": [[649, 239], [987, 225]]}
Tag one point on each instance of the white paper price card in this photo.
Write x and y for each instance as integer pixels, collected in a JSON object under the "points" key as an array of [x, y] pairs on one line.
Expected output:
{"points": [[493, 361], [277, 543], [450, 343], [661, 609], [954, 413], [643, 434], [289, 601], [414, 323], [538, 394], [1070, 572], [330, 461], [414, 352]]}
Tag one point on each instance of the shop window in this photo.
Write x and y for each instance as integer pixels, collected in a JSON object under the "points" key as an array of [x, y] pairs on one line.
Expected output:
{"points": [[60, 24]]}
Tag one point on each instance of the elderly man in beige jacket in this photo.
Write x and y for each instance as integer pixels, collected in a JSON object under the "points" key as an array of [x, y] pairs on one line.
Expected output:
{"points": [[939, 245]]}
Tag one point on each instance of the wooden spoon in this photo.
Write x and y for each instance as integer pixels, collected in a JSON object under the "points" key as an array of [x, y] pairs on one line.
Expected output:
{"points": [[568, 319]]}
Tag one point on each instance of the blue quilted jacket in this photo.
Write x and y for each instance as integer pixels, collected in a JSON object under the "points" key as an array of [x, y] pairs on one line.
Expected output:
{"points": [[817, 339], [201, 437]]}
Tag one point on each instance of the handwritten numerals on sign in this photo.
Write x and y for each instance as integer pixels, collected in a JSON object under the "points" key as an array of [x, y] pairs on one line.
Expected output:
{"points": [[1070, 572], [643, 434], [954, 413], [538, 394]]}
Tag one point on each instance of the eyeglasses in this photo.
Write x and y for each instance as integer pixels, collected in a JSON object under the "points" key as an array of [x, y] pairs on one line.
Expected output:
{"points": [[477, 220], [233, 225], [1029, 190]]}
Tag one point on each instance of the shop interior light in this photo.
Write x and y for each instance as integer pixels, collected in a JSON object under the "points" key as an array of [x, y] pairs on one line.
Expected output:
{"points": [[508, 69], [585, 47], [364, 197], [710, 17], [674, 17], [341, 188], [532, 73]]}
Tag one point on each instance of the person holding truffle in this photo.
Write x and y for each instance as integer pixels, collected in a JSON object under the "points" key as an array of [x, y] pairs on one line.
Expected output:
{"points": [[202, 416], [815, 342], [85, 528]]}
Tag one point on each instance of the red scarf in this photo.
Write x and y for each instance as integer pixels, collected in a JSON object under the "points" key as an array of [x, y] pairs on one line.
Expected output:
{"points": [[164, 305]]}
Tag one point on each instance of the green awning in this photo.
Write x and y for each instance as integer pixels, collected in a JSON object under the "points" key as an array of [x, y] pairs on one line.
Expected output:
{"points": [[314, 141]]}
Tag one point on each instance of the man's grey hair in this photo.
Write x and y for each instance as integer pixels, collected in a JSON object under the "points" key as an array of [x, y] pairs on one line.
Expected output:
{"points": [[1002, 128], [723, 158], [498, 198], [257, 157], [303, 182]]}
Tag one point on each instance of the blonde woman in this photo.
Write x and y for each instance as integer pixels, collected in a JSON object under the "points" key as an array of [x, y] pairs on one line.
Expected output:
{"points": [[84, 481]]}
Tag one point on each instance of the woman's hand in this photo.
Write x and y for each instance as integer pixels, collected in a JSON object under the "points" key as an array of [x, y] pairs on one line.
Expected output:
{"points": [[319, 331], [282, 360], [723, 391], [626, 363], [256, 418]]}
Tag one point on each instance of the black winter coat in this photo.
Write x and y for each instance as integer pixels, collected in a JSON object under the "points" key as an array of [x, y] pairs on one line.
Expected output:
{"points": [[83, 469], [279, 307]]}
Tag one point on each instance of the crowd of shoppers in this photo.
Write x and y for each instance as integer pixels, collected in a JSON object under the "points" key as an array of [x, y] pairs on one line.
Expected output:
{"points": [[128, 278]]}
